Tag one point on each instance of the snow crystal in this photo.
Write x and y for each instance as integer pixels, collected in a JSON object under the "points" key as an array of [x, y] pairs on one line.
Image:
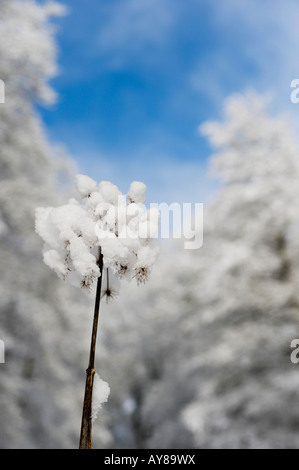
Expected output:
{"points": [[137, 192], [54, 260], [100, 394], [109, 191], [85, 185]]}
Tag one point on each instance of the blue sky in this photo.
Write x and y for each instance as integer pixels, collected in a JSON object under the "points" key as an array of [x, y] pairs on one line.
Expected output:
{"points": [[137, 78]]}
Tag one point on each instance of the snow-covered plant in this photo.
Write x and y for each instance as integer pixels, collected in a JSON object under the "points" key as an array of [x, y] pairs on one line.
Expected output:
{"points": [[104, 219], [100, 239]]}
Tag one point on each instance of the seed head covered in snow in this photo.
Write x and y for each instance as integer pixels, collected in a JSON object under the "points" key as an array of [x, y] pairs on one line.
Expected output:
{"points": [[100, 394], [137, 192], [103, 218]]}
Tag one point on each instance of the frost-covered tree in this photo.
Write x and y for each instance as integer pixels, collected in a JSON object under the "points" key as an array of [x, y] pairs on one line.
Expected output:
{"points": [[41, 322], [248, 387]]}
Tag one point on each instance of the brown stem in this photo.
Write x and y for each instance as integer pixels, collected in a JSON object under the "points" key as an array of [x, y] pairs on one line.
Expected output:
{"points": [[86, 425]]}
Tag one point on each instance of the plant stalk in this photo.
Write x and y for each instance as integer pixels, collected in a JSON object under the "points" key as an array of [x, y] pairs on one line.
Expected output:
{"points": [[86, 424]]}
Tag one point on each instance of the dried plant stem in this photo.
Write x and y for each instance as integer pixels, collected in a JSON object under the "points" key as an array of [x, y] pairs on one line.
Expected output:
{"points": [[86, 425]]}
